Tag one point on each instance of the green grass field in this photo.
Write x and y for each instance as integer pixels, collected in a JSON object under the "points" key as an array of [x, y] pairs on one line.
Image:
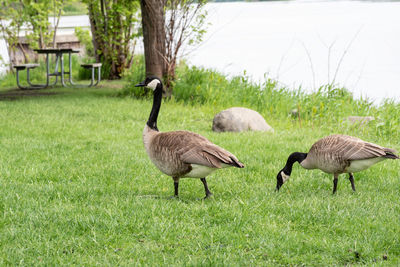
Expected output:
{"points": [[77, 188]]}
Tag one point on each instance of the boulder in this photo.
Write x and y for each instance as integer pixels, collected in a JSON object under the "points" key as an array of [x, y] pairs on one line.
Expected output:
{"points": [[239, 119], [294, 113], [360, 119]]}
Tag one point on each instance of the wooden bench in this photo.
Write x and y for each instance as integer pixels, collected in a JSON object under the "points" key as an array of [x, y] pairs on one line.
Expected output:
{"points": [[93, 66], [27, 67]]}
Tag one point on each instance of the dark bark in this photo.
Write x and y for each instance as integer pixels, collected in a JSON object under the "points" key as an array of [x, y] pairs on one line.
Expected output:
{"points": [[154, 37], [93, 28], [56, 27]]}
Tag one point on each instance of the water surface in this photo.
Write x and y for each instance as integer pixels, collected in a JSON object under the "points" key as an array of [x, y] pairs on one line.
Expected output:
{"points": [[308, 43]]}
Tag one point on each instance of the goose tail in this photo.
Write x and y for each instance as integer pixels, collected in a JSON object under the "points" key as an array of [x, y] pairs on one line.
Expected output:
{"points": [[390, 154], [236, 163]]}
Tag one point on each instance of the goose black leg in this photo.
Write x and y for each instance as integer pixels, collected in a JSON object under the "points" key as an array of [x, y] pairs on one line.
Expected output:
{"points": [[352, 181], [208, 193], [335, 179], [176, 186]]}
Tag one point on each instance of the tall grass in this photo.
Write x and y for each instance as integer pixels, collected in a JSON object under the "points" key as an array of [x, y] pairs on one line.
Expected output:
{"points": [[136, 73], [328, 105]]}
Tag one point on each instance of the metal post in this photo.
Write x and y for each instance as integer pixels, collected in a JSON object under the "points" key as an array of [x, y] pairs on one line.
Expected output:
{"points": [[20, 87], [62, 68], [70, 69], [47, 69]]}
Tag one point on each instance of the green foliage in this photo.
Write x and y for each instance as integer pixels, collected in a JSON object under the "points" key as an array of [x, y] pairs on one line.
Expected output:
{"points": [[77, 189], [114, 28], [33, 14], [11, 20], [85, 39], [36, 14], [135, 75], [74, 8]]}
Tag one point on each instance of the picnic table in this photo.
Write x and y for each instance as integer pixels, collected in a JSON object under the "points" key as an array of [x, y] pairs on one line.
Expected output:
{"points": [[59, 70], [59, 65]]}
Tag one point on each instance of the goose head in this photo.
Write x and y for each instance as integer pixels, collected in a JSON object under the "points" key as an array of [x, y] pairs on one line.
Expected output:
{"points": [[281, 178], [151, 82], [284, 174]]}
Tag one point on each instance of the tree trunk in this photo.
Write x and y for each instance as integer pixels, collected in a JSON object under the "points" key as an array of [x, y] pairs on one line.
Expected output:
{"points": [[93, 27], [154, 37], [56, 27]]}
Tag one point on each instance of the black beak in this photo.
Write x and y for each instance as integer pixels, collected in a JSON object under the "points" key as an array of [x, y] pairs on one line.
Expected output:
{"points": [[140, 84], [279, 181]]}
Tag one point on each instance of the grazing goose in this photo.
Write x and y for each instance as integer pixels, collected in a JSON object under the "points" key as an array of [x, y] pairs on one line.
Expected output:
{"points": [[181, 153], [337, 154]]}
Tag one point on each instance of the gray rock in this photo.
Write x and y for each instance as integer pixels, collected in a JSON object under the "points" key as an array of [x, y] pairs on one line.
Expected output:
{"points": [[360, 119], [294, 113], [239, 119]]}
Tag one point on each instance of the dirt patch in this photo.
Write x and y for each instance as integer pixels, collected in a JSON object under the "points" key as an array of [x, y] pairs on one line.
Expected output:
{"points": [[16, 94]]}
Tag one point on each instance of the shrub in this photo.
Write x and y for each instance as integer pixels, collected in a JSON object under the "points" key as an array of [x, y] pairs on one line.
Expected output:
{"points": [[134, 75], [328, 106], [85, 39]]}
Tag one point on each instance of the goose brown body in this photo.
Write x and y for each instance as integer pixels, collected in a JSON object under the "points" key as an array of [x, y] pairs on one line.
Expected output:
{"points": [[181, 153], [337, 154], [175, 153]]}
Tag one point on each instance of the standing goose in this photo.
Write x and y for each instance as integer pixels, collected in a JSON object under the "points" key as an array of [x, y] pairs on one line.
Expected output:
{"points": [[337, 154], [181, 153]]}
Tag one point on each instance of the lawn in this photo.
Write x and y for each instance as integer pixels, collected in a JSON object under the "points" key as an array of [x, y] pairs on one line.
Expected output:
{"points": [[77, 188]]}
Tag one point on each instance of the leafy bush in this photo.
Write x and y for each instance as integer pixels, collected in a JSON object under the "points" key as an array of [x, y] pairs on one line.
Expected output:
{"points": [[85, 38], [74, 8], [134, 75]]}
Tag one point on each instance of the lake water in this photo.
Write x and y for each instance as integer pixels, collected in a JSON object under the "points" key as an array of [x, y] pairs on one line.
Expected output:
{"points": [[302, 43], [306, 42]]}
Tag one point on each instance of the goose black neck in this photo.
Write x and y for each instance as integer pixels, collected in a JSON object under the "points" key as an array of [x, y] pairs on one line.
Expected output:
{"points": [[296, 156], [157, 97]]}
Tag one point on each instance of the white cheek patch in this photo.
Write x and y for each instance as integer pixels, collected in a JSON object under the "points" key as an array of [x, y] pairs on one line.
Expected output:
{"points": [[284, 176], [153, 84]]}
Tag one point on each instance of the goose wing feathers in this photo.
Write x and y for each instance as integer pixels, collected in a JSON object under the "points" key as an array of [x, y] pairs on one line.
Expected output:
{"points": [[350, 148], [211, 156], [192, 148]]}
